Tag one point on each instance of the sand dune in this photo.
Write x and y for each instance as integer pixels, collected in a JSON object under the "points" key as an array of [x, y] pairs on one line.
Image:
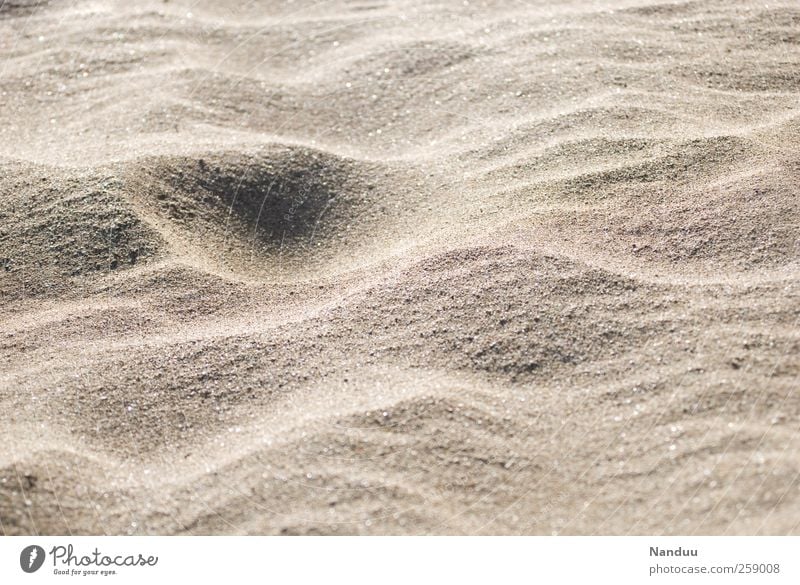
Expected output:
{"points": [[399, 267]]}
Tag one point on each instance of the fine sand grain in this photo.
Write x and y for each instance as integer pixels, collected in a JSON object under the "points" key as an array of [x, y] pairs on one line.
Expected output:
{"points": [[399, 267]]}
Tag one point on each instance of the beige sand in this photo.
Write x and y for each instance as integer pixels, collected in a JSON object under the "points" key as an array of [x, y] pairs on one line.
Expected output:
{"points": [[399, 267]]}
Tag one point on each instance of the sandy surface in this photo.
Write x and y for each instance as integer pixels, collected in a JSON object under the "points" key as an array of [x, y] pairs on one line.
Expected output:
{"points": [[399, 267]]}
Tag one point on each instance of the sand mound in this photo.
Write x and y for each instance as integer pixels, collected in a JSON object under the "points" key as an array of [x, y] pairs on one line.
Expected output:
{"points": [[279, 211], [60, 228], [303, 268]]}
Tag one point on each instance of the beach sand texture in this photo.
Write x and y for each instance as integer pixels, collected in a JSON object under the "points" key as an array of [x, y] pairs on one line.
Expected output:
{"points": [[407, 267]]}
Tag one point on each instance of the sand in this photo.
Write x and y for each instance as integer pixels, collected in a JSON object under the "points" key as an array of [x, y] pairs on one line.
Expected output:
{"points": [[364, 267]]}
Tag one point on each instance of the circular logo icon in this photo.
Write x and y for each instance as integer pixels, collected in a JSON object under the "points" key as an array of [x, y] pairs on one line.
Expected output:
{"points": [[31, 558]]}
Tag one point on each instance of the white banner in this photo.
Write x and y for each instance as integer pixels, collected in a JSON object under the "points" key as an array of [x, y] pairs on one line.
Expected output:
{"points": [[400, 560]]}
